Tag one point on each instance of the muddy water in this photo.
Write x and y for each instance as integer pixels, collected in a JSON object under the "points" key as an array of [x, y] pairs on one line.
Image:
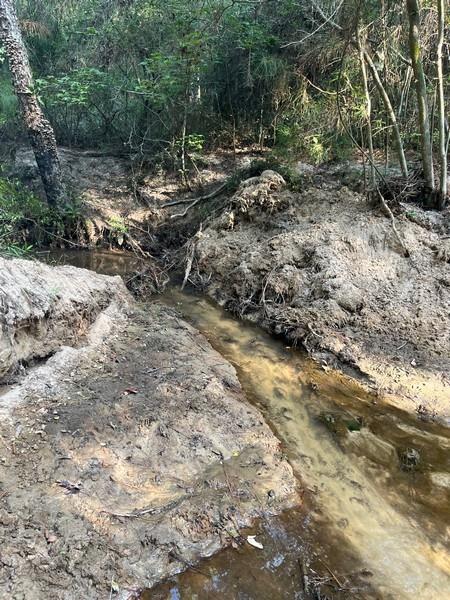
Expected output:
{"points": [[106, 262], [389, 512], [376, 514]]}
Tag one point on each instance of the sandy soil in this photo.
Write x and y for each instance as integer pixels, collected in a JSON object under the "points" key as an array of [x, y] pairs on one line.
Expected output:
{"points": [[44, 308], [128, 458], [325, 269]]}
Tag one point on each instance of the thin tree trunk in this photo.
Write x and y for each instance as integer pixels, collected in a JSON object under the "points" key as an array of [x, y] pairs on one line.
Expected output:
{"points": [[183, 146], [368, 112], [39, 130], [421, 90], [381, 89], [389, 109], [441, 108]]}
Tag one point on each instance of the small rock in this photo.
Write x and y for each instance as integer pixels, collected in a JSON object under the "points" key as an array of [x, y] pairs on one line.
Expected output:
{"points": [[410, 459]]}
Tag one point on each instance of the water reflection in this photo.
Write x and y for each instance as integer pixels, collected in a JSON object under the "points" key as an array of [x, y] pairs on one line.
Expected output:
{"points": [[105, 262]]}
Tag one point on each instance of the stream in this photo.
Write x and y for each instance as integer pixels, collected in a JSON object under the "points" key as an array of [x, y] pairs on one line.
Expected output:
{"points": [[375, 519]]}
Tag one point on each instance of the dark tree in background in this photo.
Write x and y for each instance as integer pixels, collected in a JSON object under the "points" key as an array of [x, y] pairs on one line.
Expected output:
{"points": [[39, 130]]}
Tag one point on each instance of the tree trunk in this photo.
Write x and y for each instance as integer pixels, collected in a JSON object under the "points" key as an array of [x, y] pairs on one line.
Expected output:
{"points": [[368, 110], [389, 109], [379, 85], [441, 108], [39, 130], [421, 90]]}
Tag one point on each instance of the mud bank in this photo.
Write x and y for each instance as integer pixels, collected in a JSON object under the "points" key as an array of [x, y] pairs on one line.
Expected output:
{"points": [[44, 308], [325, 269], [128, 458], [121, 199]]}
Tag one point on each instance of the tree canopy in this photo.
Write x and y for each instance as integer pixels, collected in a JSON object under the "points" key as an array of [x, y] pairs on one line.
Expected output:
{"points": [[170, 77]]}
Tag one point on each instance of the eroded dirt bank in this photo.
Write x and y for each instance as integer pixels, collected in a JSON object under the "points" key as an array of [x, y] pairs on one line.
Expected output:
{"points": [[325, 269], [42, 309], [321, 266], [128, 458]]}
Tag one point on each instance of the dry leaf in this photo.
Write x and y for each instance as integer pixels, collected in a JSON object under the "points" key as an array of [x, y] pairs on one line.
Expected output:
{"points": [[252, 541]]}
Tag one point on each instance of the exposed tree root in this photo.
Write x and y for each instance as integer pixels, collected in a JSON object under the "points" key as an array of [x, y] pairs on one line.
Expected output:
{"points": [[190, 253]]}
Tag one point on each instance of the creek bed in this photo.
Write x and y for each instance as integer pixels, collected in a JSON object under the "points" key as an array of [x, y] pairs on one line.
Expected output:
{"points": [[374, 522]]}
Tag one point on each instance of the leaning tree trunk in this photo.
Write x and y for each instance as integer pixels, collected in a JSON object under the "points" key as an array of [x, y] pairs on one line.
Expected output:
{"points": [[421, 90], [368, 109], [441, 105], [39, 130], [390, 111]]}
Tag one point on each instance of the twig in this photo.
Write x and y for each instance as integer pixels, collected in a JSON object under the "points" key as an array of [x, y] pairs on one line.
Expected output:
{"points": [[155, 510], [304, 576], [326, 20], [227, 480], [332, 574], [184, 213], [314, 332], [391, 216], [209, 196]]}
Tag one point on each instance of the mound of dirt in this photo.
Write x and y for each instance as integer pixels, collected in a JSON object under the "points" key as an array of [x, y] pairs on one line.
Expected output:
{"points": [[43, 308], [325, 269], [128, 459]]}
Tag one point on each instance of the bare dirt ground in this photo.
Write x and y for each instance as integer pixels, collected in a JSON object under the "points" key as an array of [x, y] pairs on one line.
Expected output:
{"points": [[325, 269], [120, 200], [128, 457]]}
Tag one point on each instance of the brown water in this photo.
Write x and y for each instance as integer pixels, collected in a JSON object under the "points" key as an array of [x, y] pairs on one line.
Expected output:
{"points": [[369, 526], [106, 262]]}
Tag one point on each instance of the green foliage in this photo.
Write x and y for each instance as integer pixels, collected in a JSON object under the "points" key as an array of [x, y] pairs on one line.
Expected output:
{"points": [[25, 220], [75, 89], [138, 74], [117, 224]]}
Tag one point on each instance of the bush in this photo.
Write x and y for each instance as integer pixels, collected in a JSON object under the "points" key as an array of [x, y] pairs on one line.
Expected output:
{"points": [[25, 220]]}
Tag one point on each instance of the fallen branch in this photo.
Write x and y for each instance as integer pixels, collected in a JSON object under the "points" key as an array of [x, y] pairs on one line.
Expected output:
{"points": [[195, 201], [137, 247], [209, 196], [391, 216]]}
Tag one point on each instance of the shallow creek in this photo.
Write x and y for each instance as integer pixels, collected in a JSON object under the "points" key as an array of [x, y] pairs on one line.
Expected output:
{"points": [[375, 520]]}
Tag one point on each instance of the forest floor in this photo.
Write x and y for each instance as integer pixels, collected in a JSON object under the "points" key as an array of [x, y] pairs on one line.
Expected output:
{"points": [[129, 453]]}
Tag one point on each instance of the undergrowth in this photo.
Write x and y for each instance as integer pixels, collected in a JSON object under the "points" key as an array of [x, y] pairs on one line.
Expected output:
{"points": [[26, 222]]}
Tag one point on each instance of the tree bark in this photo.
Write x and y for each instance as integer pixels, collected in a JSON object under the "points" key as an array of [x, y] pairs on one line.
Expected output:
{"points": [[421, 90], [441, 108], [39, 130]]}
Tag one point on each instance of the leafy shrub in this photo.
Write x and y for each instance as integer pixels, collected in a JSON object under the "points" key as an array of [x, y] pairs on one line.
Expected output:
{"points": [[26, 221]]}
